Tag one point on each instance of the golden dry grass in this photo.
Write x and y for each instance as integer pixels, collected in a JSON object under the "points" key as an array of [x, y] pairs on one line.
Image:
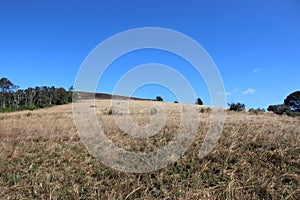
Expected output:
{"points": [[42, 157]]}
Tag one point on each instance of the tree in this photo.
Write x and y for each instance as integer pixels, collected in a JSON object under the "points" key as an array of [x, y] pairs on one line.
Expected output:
{"points": [[3, 100], [290, 107], [237, 106], [52, 95], [18, 98], [70, 96], [257, 110], [293, 101], [6, 88], [71, 89], [280, 109], [12, 98], [199, 101], [62, 96], [38, 97], [46, 96], [159, 98], [29, 93], [6, 85], [272, 108]]}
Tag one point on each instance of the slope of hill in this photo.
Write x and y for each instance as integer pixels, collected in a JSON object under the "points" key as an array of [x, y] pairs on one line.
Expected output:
{"points": [[91, 95], [41, 156]]}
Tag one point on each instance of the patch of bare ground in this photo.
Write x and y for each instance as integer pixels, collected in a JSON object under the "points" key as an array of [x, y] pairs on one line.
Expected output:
{"points": [[42, 157]]}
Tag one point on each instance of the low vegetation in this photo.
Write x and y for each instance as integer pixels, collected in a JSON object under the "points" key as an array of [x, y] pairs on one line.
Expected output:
{"points": [[42, 157], [257, 110], [236, 107]]}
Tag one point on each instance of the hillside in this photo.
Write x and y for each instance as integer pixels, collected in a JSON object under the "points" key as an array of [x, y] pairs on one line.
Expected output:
{"points": [[42, 157], [104, 96]]}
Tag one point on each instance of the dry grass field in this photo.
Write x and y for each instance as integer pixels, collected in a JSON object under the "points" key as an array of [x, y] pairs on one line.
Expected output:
{"points": [[42, 157]]}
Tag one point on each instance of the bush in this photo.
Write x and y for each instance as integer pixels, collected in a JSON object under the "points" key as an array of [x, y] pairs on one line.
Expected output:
{"points": [[272, 108], [256, 111], [290, 107], [205, 110], [159, 98], [280, 109], [199, 101], [237, 107], [153, 111]]}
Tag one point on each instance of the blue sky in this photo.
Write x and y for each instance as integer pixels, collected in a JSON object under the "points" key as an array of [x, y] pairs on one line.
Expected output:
{"points": [[255, 44]]}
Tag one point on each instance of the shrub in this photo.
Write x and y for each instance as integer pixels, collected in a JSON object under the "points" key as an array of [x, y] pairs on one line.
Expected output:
{"points": [[159, 98], [280, 109], [111, 111], [256, 111], [290, 107], [272, 108], [205, 110], [199, 101], [153, 111], [237, 107]]}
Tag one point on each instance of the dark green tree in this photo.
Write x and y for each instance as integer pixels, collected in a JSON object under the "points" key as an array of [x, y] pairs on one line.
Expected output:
{"points": [[237, 107], [199, 101], [46, 96], [29, 93], [280, 109], [18, 97], [272, 108], [12, 98], [290, 107], [62, 96], [159, 98], [293, 101], [6, 90], [6, 85], [38, 97]]}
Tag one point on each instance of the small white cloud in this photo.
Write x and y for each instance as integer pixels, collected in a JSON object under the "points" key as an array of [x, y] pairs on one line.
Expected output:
{"points": [[249, 91], [221, 93], [255, 70], [228, 93]]}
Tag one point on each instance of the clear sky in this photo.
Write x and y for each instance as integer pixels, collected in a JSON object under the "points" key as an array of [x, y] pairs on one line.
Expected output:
{"points": [[255, 44]]}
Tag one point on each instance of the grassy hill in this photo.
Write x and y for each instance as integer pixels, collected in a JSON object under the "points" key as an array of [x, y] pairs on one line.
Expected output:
{"points": [[104, 96], [42, 157]]}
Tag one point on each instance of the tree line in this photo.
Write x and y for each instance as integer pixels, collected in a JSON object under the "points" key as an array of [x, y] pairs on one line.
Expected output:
{"points": [[290, 106], [12, 98]]}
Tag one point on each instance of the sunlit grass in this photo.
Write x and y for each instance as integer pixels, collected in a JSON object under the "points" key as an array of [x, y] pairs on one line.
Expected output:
{"points": [[41, 156]]}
